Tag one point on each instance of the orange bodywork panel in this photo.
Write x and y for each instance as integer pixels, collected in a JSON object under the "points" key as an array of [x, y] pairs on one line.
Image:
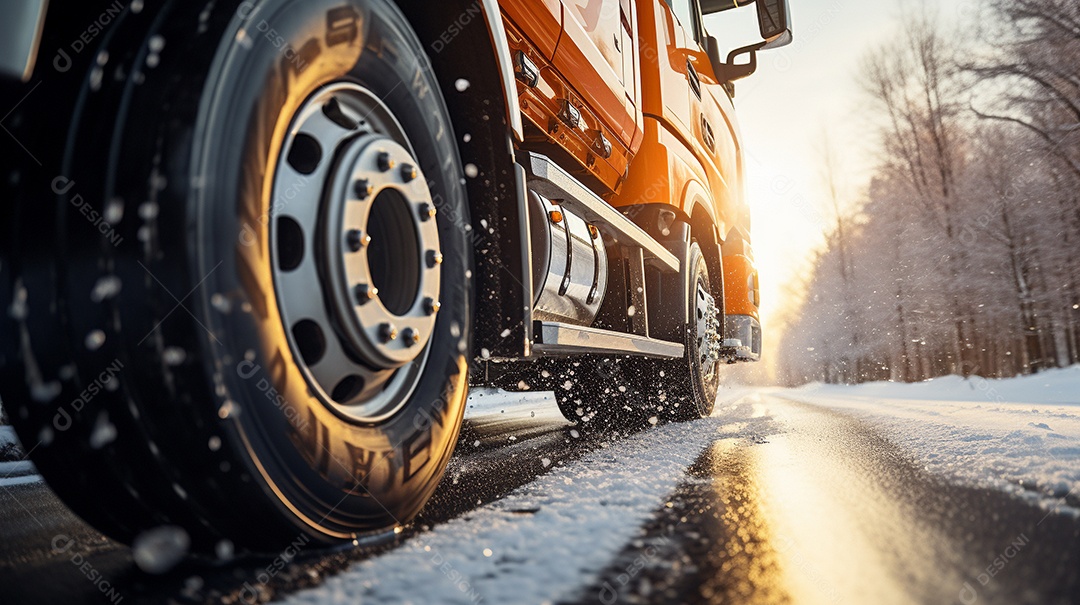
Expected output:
{"points": [[651, 123], [741, 289]]}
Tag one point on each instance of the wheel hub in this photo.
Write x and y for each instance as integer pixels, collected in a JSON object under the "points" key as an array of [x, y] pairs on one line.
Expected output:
{"points": [[709, 338], [382, 251], [355, 250]]}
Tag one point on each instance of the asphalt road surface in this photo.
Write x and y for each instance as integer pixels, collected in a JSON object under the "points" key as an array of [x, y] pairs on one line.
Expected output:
{"points": [[769, 501]]}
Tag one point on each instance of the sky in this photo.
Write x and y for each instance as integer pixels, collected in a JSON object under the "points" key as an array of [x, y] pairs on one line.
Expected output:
{"points": [[801, 95]]}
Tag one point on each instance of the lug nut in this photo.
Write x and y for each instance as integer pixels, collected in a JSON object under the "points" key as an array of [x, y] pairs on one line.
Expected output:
{"points": [[355, 240], [386, 163], [365, 293], [410, 336], [431, 306], [408, 173], [427, 211], [387, 332], [363, 189], [433, 258]]}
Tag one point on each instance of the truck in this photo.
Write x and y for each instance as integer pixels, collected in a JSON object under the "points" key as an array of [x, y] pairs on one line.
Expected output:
{"points": [[254, 253]]}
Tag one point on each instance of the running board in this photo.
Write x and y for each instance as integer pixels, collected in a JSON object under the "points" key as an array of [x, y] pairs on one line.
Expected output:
{"points": [[554, 338], [551, 181]]}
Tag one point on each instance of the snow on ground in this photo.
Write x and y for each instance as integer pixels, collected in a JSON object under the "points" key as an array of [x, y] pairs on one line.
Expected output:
{"points": [[13, 469], [542, 542], [9, 445], [1021, 434]]}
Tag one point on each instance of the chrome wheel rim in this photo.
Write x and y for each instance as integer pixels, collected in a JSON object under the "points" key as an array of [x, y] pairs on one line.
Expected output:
{"points": [[709, 339], [355, 252]]}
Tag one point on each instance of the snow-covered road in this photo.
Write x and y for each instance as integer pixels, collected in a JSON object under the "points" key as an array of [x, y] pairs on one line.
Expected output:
{"points": [[816, 495]]}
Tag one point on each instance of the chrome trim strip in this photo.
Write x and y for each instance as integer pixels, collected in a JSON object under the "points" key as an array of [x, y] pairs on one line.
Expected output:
{"points": [[554, 338], [506, 66], [552, 182]]}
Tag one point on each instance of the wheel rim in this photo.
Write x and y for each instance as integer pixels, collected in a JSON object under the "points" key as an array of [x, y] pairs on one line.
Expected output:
{"points": [[355, 253], [708, 336]]}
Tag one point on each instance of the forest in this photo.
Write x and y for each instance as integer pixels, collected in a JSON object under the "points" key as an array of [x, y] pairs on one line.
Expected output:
{"points": [[959, 256]]}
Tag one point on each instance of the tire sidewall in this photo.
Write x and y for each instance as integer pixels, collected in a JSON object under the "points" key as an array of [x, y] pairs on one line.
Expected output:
{"points": [[333, 475]]}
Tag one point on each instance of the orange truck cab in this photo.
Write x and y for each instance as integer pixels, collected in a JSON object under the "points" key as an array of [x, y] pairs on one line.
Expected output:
{"points": [[627, 95]]}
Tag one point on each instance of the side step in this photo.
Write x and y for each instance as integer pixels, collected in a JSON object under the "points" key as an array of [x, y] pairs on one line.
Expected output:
{"points": [[553, 338], [551, 181]]}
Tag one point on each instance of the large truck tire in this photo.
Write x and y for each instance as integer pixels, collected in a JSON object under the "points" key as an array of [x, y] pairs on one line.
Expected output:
{"points": [[240, 313], [691, 383]]}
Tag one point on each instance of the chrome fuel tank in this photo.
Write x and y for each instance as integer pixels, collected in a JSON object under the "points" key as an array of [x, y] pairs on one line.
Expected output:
{"points": [[570, 264]]}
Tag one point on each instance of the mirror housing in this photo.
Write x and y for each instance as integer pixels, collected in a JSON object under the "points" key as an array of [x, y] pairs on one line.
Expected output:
{"points": [[709, 7], [774, 21]]}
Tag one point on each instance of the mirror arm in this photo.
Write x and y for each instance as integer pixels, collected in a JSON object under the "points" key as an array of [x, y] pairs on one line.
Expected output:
{"points": [[730, 71]]}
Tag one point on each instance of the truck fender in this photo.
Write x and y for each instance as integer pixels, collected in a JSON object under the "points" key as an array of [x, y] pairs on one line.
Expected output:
{"points": [[467, 48]]}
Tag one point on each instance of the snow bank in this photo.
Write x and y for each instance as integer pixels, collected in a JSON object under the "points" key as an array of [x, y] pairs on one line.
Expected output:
{"points": [[1020, 434], [1052, 386]]}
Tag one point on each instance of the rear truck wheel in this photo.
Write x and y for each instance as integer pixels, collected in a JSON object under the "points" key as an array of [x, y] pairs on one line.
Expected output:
{"points": [[247, 320], [689, 385]]}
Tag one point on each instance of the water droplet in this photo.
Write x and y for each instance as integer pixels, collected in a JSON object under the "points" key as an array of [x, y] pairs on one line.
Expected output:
{"points": [[505, 333], [461, 85], [568, 385], [653, 420], [96, 75], [574, 434], [214, 443], [224, 550], [467, 137], [44, 392], [174, 356], [546, 462], [221, 303], [157, 43], [228, 409], [114, 211], [485, 354], [94, 340], [148, 211], [107, 287], [487, 552], [104, 432], [471, 171], [158, 550], [19, 309], [631, 311]]}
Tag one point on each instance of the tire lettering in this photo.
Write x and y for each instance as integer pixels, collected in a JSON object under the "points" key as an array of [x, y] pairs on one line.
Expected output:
{"points": [[342, 25], [416, 452]]}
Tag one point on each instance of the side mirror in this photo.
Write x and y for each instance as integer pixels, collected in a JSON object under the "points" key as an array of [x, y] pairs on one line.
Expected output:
{"points": [[774, 20], [709, 7], [728, 71]]}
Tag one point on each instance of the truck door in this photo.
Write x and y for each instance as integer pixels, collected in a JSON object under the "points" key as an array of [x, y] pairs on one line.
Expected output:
{"points": [[711, 125], [598, 55]]}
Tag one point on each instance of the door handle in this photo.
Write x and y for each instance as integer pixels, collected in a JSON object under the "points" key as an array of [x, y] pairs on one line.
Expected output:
{"points": [[692, 77]]}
